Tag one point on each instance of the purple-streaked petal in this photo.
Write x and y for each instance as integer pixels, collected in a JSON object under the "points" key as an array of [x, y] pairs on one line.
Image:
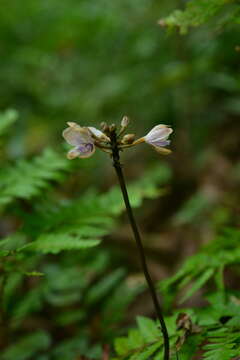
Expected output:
{"points": [[86, 150], [81, 151]]}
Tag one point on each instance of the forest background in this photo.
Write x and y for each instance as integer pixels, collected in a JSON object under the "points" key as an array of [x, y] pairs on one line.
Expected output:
{"points": [[71, 282]]}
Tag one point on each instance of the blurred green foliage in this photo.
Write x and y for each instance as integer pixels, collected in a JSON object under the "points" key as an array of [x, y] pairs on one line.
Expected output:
{"points": [[201, 11], [69, 277], [92, 61], [84, 289]]}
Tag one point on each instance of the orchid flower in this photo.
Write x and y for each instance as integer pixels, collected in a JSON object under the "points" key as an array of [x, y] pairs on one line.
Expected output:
{"points": [[158, 138], [85, 139], [82, 138]]}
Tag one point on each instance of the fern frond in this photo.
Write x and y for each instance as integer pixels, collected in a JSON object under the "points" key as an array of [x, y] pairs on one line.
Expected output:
{"points": [[223, 344], [56, 242], [26, 179], [213, 339], [28, 347], [82, 222], [144, 342], [207, 264], [197, 12]]}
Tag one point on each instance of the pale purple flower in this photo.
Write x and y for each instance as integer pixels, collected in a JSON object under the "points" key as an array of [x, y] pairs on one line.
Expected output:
{"points": [[158, 138], [82, 138], [85, 139]]}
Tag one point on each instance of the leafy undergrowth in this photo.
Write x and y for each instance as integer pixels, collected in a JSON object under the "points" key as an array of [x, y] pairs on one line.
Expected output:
{"points": [[211, 332], [69, 305], [198, 12]]}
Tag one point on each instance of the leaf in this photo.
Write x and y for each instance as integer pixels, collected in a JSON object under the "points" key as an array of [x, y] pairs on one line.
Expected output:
{"points": [[198, 283], [121, 345], [12, 242], [146, 353], [27, 347], [29, 303], [148, 329], [223, 344], [197, 12], [104, 286], [135, 339], [54, 243], [28, 178], [210, 260]]}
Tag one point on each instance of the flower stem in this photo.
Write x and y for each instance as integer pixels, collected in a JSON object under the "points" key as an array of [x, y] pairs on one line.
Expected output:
{"points": [[118, 168]]}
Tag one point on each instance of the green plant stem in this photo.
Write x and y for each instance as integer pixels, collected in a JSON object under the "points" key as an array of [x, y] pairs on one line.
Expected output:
{"points": [[118, 168]]}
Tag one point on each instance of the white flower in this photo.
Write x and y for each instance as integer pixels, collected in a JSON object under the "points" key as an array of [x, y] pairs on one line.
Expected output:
{"points": [[158, 138], [82, 138]]}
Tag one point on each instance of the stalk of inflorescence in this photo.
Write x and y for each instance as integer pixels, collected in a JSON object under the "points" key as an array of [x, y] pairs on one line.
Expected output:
{"points": [[136, 233], [84, 140]]}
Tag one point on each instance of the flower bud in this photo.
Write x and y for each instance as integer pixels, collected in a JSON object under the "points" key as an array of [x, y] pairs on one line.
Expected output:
{"points": [[128, 139], [125, 122], [104, 126], [112, 128]]}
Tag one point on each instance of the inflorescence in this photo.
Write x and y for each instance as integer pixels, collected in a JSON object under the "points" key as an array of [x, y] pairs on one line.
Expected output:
{"points": [[85, 139]]}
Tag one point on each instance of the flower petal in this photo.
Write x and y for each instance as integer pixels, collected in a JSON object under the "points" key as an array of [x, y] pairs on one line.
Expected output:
{"points": [[76, 135], [160, 143], [82, 151], [86, 150], [159, 132], [73, 154], [99, 134]]}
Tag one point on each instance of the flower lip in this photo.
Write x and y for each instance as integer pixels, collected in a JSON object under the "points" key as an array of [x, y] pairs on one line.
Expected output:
{"points": [[81, 151], [82, 140]]}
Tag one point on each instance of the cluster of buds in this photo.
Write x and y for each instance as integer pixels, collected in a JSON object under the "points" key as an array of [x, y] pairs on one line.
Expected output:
{"points": [[85, 139]]}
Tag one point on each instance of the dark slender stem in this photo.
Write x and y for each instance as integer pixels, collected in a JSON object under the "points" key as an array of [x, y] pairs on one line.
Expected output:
{"points": [[3, 323], [118, 168]]}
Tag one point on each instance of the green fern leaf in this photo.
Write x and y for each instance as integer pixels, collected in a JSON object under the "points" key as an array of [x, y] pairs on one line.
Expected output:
{"points": [[28, 347], [224, 344], [28, 178], [147, 353], [54, 243], [198, 283], [197, 12], [148, 329], [206, 264], [105, 286]]}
